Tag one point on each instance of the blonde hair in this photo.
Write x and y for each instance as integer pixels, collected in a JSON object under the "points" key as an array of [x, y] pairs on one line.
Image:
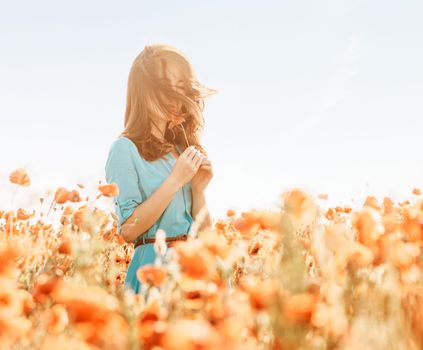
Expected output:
{"points": [[147, 93]]}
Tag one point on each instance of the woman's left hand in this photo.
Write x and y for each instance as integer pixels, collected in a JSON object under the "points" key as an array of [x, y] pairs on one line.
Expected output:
{"points": [[203, 176]]}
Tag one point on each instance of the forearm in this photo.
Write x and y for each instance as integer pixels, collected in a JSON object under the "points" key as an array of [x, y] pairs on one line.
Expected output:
{"points": [[150, 210], [198, 202]]}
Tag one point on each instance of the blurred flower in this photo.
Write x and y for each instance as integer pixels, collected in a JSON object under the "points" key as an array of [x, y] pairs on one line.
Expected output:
{"points": [[73, 196], [368, 223], [417, 191], [191, 335], [298, 308], [109, 190], [152, 275], [262, 292], [61, 196], [56, 318], [195, 260], [403, 255], [22, 214], [20, 177]]}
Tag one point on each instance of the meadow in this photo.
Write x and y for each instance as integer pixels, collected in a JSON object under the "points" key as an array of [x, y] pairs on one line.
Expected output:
{"points": [[305, 276]]}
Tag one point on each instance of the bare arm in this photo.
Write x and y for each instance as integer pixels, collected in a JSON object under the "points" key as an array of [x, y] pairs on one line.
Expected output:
{"points": [[150, 210], [198, 201]]}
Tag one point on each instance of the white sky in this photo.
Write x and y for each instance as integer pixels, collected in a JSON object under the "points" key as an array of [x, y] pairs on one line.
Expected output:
{"points": [[324, 95]]}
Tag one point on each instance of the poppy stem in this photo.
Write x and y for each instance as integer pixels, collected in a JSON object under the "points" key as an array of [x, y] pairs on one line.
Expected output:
{"points": [[12, 204], [49, 209]]}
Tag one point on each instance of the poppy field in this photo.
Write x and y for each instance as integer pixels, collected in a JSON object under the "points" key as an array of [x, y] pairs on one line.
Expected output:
{"points": [[305, 276]]}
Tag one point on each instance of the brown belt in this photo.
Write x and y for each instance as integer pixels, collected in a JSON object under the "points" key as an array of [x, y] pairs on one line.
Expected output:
{"points": [[147, 240]]}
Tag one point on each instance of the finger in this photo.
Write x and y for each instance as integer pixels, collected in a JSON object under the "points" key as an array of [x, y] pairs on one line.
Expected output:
{"points": [[188, 149], [185, 153], [194, 155], [206, 162], [189, 152], [197, 161], [205, 168]]}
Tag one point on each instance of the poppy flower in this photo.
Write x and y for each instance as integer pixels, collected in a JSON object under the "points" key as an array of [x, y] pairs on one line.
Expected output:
{"points": [[22, 214], [63, 342], [403, 255], [300, 307], [8, 254], [369, 226], [20, 177], [329, 317], [261, 292], [248, 224], [109, 190], [56, 318], [417, 191], [68, 210], [269, 220], [300, 205], [73, 196], [195, 260], [191, 335], [85, 303], [152, 275], [65, 246], [61, 196], [360, 255], [44, 286], [230, 212]]}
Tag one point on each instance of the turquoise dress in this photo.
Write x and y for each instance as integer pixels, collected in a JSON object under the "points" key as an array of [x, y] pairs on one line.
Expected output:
{"points": [[137, 179]]}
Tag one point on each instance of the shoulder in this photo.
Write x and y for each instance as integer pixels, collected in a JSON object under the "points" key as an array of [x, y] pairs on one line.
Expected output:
{"points": [[120, 154], [123, 148], [122, 144]]}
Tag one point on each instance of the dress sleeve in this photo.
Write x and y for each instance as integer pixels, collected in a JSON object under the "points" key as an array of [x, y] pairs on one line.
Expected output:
{"points": [[120, 169]]}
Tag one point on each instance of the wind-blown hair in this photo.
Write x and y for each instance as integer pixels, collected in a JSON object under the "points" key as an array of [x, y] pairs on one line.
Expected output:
{"points": [[147, 95]]}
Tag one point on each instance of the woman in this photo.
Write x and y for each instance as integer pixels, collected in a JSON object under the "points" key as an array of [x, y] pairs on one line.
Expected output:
{"points": [[157, 162]]}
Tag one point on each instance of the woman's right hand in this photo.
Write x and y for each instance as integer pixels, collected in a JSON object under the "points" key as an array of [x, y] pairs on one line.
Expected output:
{"points": [[186, 165]]}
